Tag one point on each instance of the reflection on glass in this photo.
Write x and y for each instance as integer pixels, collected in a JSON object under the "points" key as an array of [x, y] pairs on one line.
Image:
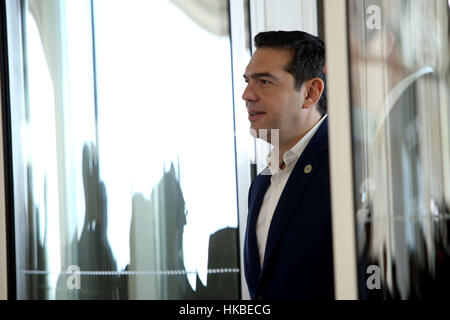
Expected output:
{"points": [[400, 111], [129, 166]]}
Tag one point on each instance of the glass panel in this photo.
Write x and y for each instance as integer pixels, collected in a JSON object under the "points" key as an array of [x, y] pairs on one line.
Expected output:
{"points": [[127, 158], [400, 116]]}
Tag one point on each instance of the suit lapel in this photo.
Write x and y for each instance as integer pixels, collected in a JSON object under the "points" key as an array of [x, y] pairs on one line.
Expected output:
{"points": [[295, 187], [262, 185]]}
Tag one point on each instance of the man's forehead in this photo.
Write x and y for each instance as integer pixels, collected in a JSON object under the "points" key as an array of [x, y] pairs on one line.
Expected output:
{"points": [[269, 60]]}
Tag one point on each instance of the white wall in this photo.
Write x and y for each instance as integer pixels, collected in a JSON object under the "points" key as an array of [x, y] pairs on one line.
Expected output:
{"points": [[267, 15]]}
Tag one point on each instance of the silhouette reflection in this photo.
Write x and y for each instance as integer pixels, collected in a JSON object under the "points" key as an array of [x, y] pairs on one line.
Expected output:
{"points": [[93, 249], [156, 244], [156, 269], [38, 285], [222, 254]]}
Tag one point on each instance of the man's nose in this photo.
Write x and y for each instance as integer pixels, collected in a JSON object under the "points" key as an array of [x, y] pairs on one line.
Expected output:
{"points": [[249, 94]]}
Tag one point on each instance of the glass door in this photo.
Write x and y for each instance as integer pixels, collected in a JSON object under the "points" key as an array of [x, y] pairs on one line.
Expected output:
{"points": [[123, 150], [391, 236], [399, 68]]}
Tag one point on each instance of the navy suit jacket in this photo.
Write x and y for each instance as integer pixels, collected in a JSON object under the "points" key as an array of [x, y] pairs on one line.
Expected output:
{"points": [[298, 260]]}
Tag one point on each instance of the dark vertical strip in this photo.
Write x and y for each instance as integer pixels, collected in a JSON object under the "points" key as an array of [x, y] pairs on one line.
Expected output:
{"points": [[320, 19], [253, 166], [352, 143], [249, 29], [7, 155], [235, 149], [94, 64]]}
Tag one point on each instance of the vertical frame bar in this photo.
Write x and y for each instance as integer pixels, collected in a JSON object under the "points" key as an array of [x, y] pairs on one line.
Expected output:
{"points": [[3, 252], [7, 226], [242, 136], [12, 81], [341, 171], [11, 78], [3, 93]]}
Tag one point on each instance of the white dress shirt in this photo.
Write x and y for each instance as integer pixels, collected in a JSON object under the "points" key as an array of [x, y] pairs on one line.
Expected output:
{"points": [[276, 187]]}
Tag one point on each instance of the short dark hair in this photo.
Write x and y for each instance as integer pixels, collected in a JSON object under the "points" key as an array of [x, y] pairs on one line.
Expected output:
{"points": [[308, 61]]}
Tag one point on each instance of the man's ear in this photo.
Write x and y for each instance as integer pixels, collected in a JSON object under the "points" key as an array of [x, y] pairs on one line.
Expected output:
{"points": [[313, 91]]}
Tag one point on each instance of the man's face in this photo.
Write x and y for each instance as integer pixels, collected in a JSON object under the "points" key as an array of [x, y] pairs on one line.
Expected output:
{"points": [[271, 99]]}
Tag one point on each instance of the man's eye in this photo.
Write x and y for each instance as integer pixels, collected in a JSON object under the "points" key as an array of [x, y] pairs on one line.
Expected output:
{"points": [[263, 81]]}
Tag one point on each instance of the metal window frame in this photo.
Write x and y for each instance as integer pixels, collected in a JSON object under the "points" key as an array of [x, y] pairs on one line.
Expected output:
{"points": [[242, 159], [340, 142], [3, 229], [8, 281], [12, 9]]}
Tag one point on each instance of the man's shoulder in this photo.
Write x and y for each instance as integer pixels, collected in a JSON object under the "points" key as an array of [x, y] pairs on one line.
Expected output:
{"points": [[259, 179], [262, 178], [319, 141]]}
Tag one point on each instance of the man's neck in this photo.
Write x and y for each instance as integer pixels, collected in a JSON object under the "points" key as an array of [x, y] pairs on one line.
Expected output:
{"points": [[287, 143]]}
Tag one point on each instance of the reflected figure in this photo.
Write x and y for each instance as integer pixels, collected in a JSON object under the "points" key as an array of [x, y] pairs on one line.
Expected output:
{"points": [[94, 251], [168, 207], [222, 254], [38, 285], [156, 245]]}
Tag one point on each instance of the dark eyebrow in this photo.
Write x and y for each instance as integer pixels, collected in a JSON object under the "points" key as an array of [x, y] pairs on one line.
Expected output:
{"points": [[261, 75]]}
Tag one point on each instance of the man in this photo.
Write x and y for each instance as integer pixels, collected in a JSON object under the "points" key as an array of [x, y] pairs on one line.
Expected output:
{"points": [[288, 245]]}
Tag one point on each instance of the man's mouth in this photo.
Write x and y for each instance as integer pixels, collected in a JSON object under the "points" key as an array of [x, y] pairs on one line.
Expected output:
{"points": [[253, 116]]}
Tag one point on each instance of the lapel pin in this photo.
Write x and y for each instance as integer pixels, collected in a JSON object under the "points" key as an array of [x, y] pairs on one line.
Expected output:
{"points": [[308, 168]]}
